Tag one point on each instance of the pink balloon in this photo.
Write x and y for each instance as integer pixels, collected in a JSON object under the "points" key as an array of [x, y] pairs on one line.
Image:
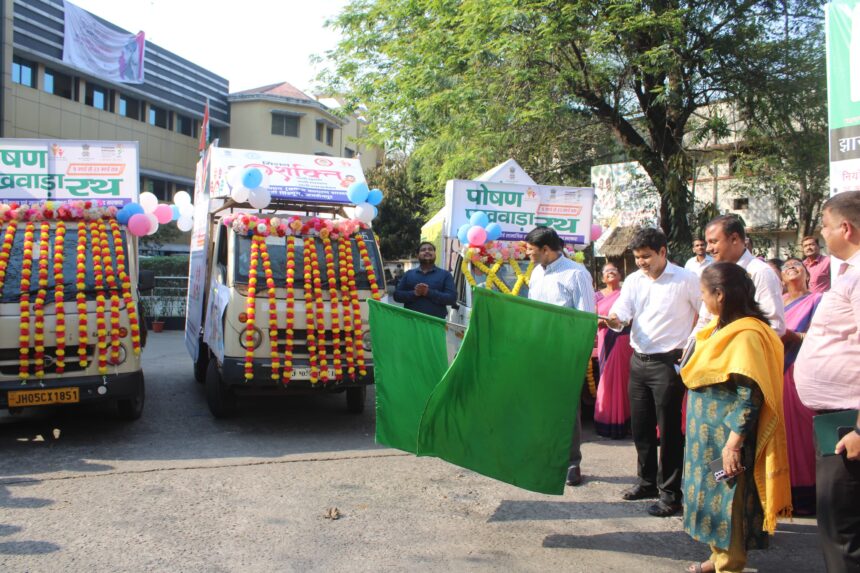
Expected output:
{"points": [[138, 225], [477, 236], [596, 231], [163, 213]]}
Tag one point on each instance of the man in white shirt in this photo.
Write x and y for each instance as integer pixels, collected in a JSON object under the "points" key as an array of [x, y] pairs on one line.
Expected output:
{"points": [[700, 259], [661, 300], [726, 237], [557, 280]]}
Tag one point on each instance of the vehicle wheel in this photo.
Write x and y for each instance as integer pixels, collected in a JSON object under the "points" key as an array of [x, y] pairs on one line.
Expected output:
{"points": [[131, 408], [222, 402], [355, 399], [202, 364]]}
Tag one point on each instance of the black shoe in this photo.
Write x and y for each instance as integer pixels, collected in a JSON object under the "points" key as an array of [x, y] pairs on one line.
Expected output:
{"points": [[663, 509], [639, 492], [574, 476]]}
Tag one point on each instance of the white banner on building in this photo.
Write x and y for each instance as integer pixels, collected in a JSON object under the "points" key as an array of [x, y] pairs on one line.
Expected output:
{"points": [[99, 50]]}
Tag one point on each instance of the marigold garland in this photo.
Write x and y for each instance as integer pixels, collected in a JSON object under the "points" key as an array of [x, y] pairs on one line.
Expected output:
{"points": [[26, 275], [6, 251], [335, 312], [291, 313], [310, 317], [59, 302], [368, 266], [319, 306], [113, 292], [344, 255], [251, 309], [273, 309], [99, 281], [358, 343], [81, 286], [125, 283], [39, 305]]}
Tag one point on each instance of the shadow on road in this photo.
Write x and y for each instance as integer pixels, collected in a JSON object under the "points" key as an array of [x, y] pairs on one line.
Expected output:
{"points": [[516, 510], [23, 547]]}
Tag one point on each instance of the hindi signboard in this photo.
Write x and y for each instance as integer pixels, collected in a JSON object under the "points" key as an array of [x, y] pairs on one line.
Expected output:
{"points": [[520, 208], [36, 170], [300, 178], [842, 24]]}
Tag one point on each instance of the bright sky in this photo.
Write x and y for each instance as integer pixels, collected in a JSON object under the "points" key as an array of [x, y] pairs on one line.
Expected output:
{"points": [[252, 43]]}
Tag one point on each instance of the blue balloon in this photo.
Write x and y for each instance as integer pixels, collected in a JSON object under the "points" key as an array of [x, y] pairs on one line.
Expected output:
{"points": [[375, 211], [176, 214], [462, 233], [494, 231], [374, 197], [251, 178], [122, 216], [133, 209], [357, 192], [480, 219]]}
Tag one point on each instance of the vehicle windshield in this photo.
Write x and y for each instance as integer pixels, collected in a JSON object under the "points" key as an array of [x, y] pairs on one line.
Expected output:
{"points": [[277, 247], [506, 274], [12, 283]]}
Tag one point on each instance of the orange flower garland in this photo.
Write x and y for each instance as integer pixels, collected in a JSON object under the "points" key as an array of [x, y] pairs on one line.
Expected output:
{"points": [[81, 285], [26, 275], [334, 303], [291, 315], [320, 313], [273, 309], [344, 253], [6, 251], [59, 303], [356, 323], [251, 308], [99, 281], [125, 283], [365, 259], [39, 305], [310, 318], [107, 260]]}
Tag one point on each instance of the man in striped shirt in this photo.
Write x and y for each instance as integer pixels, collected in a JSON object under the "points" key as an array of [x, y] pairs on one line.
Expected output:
{"points": [[560, 281]]}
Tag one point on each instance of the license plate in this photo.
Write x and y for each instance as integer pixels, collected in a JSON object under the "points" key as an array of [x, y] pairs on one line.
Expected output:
{"points": [[23, 398], [304, 373]]}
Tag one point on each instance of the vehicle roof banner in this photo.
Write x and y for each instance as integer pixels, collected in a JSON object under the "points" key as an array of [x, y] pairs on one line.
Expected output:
{"points": [[301, 178], [520, 208], [37, 170]]}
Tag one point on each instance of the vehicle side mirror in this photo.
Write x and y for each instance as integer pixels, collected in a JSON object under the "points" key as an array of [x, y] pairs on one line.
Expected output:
{"points": [[145, 280]]}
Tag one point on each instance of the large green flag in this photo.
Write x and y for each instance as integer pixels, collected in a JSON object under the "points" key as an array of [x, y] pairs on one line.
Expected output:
{"points": [[506, 406]]}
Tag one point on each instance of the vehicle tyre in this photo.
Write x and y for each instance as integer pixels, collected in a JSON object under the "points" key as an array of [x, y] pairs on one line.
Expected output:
{"points": [[201, 365], [221, 400], [131, 409], [355, 399]]}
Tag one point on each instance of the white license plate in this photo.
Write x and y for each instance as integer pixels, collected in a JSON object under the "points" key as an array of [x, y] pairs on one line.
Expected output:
{"points": [[304, 373]]}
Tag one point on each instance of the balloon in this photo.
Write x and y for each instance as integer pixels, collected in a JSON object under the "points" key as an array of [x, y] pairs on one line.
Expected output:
{"points": [[477, 236], [175, 210], [479, 219], [252, 177], [153, 223], [462, 233], [596, 231], [163, 214], [148, 201], [185, 223], [122, 216], [374, 197], [264, 180], [181, 198], [259, 197], [494, 231], [186, 211], [364, 212], [239, 194], [234, 178], [357, 192], [138, 224], [133, 209]]}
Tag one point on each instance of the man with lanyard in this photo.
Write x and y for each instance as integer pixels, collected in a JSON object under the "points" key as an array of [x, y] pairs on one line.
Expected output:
{"points": [[700, 258], [427, 289], [726, 241], [558, 280], [817, 266], [661, 300], [827, 376]]}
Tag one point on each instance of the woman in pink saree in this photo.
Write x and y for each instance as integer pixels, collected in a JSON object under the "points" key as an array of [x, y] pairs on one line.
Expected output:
{"points": [[800, 305], [612, 407]]}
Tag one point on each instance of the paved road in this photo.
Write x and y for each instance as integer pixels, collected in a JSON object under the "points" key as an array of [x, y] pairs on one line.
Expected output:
{"points": [[180, 491]]}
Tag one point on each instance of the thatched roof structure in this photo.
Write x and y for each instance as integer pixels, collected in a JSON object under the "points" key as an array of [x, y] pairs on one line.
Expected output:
{"points": [[616, 244]]}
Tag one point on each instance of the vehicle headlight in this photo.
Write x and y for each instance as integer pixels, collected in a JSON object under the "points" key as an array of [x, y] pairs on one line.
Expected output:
{"points": [[121, 356], [366, 340], [258, 338]]}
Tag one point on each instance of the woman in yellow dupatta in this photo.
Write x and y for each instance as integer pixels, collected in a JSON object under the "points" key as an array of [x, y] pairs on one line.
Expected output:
{"points": [[734, 414]]}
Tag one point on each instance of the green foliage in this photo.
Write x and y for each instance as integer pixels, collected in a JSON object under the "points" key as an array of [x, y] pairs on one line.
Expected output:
{"points": [[174, 266], [402, 211]]}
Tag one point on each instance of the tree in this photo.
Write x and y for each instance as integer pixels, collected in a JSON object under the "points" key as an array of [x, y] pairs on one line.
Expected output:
{"points": [[455, 81]]}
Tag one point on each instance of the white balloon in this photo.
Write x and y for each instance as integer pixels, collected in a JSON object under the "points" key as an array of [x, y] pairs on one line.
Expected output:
{"points": [[181, 198], [148, 201], [259, 198], [185, 223], [364, 212], [234, 178], [153, 223], [239, 194], [186, 211]]}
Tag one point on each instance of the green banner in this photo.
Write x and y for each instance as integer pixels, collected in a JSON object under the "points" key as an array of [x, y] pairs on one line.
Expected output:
{"points": [[843, 62]]}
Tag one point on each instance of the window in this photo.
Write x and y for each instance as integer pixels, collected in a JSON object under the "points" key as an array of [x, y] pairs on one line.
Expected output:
{"points": [[23, 72], [287, 125], [348, 153], [158, 187], [742, 203], [184, 125], [130, 107], [329, 135], [157, 117], [320, 130], [58, 84], [98, 97]]}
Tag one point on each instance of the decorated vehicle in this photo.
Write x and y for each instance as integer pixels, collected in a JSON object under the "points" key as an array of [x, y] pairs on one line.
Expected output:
{"points": [[70, 327], [283, 261]]}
